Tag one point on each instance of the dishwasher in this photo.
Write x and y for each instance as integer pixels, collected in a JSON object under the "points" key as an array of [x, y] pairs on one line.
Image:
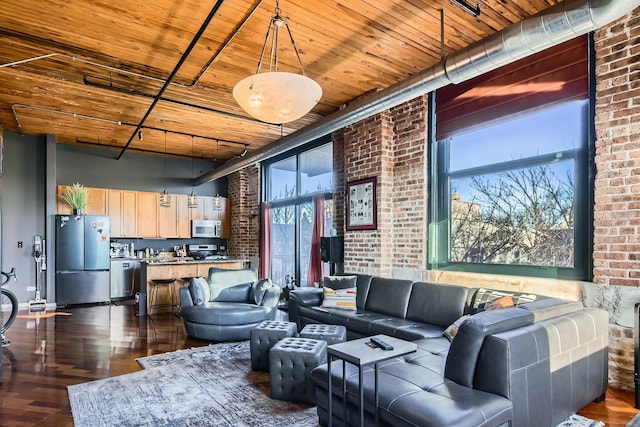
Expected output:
{"points": [[125, 278]]}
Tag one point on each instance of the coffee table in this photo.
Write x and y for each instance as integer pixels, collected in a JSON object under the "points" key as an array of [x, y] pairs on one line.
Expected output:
{"points": [[361, 354]]}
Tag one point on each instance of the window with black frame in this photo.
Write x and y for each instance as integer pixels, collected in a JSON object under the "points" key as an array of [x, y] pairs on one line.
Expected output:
{"points": [[513, 195], [291, 182]]}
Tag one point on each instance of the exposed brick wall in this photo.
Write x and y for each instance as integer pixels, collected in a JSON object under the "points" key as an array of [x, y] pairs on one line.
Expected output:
{"points": [[392, 147], [617, 208], [244, 192], [410, 184], [616, 252], [368, 153]]}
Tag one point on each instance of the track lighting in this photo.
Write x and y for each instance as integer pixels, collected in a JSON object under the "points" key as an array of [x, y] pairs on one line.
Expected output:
{"points": [[140, 135], [475, 11], [244, 152]]}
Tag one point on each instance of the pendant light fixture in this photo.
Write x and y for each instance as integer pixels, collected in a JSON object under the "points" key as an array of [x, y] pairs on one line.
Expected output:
{"points": [[165, 198], [275, 96], [192, 200], [216, 199]]}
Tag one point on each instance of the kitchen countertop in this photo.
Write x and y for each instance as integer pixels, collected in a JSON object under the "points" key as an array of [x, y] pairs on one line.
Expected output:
{"points": [[174, 261]]}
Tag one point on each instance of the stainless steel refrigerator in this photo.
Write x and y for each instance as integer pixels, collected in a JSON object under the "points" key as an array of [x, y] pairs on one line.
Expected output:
{"points": [[82, 259]]}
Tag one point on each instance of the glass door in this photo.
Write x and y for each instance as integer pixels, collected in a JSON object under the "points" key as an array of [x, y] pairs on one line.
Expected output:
{"points": [[283, 244], [291, 181]]}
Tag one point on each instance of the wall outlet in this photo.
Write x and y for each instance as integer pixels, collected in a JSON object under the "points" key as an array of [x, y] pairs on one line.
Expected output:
{"points": [[31, 288]]}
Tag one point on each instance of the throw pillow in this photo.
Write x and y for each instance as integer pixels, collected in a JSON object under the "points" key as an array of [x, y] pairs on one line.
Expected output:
{"points": [[259, 290], [503, 302], [339, 282], [339, 298], [484, 297], [452, 330], [199, 290]]}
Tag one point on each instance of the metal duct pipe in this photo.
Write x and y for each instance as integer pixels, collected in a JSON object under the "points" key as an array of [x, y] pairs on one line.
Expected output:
{"points": [[553, 26]]}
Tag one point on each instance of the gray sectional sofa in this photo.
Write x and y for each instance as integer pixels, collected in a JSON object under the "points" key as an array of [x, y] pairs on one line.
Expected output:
{"points": [[531, 365]]}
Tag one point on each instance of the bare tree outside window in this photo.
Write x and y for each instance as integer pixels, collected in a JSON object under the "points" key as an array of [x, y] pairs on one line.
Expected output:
{"points": [[523, 216]]}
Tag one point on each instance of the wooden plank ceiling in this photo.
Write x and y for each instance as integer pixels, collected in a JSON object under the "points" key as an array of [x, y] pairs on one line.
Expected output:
{"points": [[125, 50]]}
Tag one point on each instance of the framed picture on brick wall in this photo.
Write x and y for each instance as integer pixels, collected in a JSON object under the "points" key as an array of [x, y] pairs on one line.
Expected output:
{"points": [[362, 209]]}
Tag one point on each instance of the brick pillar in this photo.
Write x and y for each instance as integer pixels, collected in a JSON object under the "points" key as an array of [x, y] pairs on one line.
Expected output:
{"points": [[392, 146], [244, 192], [368, 152], [616, 251], [410, 187]]}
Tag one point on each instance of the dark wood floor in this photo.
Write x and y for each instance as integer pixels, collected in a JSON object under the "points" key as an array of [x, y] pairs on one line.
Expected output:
{"points": [[49, 352]]}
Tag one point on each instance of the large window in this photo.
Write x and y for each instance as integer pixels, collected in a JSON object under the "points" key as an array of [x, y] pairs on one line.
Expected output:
{"points": [[291, 182], [512, 197]]}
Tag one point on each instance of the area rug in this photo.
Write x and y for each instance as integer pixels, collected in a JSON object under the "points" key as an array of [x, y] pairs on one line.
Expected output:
{"points": [[580, 421], [635, 422], [205, 386]]}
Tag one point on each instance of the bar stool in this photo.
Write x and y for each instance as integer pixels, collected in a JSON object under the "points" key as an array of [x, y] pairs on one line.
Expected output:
{"points": [[154, 294]]}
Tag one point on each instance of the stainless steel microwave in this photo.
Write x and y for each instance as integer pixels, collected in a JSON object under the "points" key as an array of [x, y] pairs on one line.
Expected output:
{"points": [[205, 228]]}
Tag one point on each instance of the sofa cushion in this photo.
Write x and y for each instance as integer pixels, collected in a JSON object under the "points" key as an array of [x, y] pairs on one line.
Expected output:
{"points": [[224, 277], [199, 289], [404, 329], [236, 293], [225, 313], [436, 304], [389, 296], [258, 290], [231, 285], [339, 282]]}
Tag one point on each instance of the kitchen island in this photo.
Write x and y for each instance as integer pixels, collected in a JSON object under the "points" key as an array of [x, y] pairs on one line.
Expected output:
{"points": [[178, 268]]}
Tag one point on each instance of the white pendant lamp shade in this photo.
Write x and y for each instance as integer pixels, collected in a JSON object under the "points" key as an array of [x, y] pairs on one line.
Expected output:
{"points": [[274, 96], [277, 97]]}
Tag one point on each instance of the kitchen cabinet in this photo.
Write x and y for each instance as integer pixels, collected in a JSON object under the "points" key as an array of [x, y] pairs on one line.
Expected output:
{"points": [[223, 214], [114, 199], [210, 208], [136, 214], [147, 214], [183, 215], [200, 212], [168, 219], [129, 213], [96, 201]]}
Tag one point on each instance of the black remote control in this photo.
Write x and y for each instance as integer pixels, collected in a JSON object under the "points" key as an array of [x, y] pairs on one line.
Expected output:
{"points": [[380, 343]]}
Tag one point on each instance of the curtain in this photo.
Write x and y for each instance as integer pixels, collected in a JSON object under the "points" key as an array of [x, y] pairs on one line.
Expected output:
{"points": [[265, 242], [317, 232], [554, 75]]}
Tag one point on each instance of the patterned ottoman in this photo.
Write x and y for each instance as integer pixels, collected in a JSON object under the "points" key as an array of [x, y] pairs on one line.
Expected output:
{"points": [[263, 337], [291, 361], [332, 334]]}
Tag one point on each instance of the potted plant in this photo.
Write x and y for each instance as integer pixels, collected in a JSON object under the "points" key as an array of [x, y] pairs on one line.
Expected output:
{"points": [[76, 197]]}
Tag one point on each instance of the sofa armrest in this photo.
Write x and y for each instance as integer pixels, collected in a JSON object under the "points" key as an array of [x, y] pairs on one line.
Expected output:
{"points": [[306, 297], [303, 297], [185, 297]]}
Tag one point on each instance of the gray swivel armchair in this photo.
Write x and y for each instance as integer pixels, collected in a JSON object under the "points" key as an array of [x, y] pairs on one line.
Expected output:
{"points": [[227, 305]]}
